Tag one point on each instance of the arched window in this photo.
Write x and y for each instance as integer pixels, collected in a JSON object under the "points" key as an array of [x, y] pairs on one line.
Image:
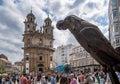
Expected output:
{"points": [[27, 58], [40, 58], [40, 65], [31, 18], [48, 23], [28, 26], [50, 58]]}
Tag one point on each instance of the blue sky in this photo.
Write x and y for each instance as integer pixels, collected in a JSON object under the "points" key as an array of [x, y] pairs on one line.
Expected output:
{"points": [[1, 2], [13, 14]]}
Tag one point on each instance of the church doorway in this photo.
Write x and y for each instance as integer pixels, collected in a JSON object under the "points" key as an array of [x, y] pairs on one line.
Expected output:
{"points": [[41, 69], [41, 66]]}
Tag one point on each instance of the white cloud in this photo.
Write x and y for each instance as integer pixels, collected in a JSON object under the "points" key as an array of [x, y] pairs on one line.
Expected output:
{"points": [[13, 14], [3, 27], [61, 38]]}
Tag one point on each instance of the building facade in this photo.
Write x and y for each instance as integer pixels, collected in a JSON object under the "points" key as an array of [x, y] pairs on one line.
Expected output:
{"points": [[19, 66], [4, 64], [38, 45], [80, 59], [114, 22], [61, 54]]}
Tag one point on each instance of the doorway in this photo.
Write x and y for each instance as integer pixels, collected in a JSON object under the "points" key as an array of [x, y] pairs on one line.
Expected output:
{"points": [[41, 69]]}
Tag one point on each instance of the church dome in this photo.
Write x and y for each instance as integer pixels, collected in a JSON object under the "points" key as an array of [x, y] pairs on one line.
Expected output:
{"points": [[48, 19], [31, 15]]}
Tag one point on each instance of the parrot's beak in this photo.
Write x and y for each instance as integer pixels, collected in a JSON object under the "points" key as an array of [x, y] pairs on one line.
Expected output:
{"points": [[60, 25]]}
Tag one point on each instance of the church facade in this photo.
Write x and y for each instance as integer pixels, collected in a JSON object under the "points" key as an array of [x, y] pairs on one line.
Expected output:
{"points": [[38, 45]]}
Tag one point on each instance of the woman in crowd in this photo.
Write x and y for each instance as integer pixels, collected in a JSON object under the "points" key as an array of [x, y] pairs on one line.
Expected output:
{"points": [[73, 80], [81, 77], [23, 79]]}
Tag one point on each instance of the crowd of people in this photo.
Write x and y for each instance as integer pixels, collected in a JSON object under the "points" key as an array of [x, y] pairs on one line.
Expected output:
{"points": [[97, 77]]}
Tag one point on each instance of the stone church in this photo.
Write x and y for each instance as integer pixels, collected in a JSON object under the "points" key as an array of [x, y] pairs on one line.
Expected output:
{"points": [[38, 45]]}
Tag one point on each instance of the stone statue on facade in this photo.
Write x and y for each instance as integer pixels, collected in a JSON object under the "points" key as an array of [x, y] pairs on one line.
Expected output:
{"points": [[94, 42]]}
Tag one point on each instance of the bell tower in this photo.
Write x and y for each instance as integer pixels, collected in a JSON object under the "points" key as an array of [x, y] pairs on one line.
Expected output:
{"points": [[30, 25], [47, 28]]}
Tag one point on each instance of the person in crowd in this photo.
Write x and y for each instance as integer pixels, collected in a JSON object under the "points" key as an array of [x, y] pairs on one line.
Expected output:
{"points": [[18, 79], [46, 78], [31, 79], [23, 79], [75, 75], [102, 77], [81, 77], [49, 78], [53, 79], [61, 75], [89, 79], [108, 81], [57, 78], [43, 80], [14, 79], [93, 76], [7, 80], [64, 80], [97, 77], [118, 75], [73, 80], [28, 80], [3, 79], [0, 79], [39, 77], [35, 79]]}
